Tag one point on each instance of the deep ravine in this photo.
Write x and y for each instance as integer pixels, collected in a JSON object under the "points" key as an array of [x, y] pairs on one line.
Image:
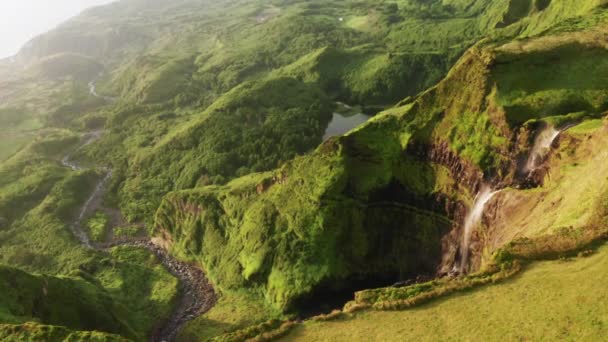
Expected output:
{"points": [[196, 295]]}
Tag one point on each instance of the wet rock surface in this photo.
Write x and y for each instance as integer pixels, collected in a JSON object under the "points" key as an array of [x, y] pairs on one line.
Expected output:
{"points": [[469, 175]]}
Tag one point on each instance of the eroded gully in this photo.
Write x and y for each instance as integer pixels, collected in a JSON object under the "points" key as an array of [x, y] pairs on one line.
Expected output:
{"points": [[196, 295]]}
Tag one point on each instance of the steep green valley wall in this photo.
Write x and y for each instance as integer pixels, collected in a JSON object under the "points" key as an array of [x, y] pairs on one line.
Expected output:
{"points": [[359, 207], [387, 198], [285, 238], [203, 105], [69, 302]]}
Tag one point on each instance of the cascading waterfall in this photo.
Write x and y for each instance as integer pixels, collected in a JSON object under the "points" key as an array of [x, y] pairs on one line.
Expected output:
{"points": [[92, 89], [472, 220], [541, 147], [540, 150]]}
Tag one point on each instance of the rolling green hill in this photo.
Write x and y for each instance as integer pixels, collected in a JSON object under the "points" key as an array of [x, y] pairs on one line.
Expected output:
{"points": [[195, 130]]}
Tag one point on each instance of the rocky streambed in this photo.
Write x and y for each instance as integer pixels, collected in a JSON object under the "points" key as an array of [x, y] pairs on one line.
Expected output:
{"points": [[196, 294]]}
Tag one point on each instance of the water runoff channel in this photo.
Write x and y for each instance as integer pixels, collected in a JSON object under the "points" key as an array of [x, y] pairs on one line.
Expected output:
{"points": [[196, 295]]}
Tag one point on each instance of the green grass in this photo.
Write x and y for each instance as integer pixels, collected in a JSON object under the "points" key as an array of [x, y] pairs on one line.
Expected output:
{"points": [[567, 200], [587, 127], [233, 311], [71, 302], [361, 23], [97, 226], [18, 127], [126, 231], [127, 292], [552, 300], [39, 332], [37, 200], [136, 279], [546, 89], [12, 144]]}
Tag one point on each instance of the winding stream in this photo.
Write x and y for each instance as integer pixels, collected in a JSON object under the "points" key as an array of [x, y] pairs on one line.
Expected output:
{"points": [[93, 90], [196, 293]]}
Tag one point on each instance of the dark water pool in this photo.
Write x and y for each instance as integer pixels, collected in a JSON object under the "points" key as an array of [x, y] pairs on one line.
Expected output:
{"points": [[341, 124]]}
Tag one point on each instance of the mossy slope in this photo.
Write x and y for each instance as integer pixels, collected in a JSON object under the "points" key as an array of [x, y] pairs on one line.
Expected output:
{"points": [[40, 332], [59, 282], [373, 202], [69, 302]]}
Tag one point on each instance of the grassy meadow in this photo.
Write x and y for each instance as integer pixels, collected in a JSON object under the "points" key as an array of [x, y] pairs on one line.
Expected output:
{"points": [[548, 301]]}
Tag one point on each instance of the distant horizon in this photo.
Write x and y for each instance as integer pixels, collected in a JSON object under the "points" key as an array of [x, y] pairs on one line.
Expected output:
{"points": [[23, 20]]}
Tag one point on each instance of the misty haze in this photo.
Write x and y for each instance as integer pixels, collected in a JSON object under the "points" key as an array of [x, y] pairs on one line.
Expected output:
{"points": [[22, 20]]}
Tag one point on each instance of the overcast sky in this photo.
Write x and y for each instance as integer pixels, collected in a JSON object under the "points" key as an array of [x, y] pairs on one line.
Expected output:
{"points": [[21, 20]]}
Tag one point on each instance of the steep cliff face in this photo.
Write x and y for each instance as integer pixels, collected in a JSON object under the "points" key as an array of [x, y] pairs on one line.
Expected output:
{"points": [[388, 199], [362, 206], [566, 209]]}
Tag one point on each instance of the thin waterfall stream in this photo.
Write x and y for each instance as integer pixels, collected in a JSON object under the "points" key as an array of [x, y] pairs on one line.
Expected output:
{"points": [[539, 151], [93, 90], [472, 221], [542, 146]]}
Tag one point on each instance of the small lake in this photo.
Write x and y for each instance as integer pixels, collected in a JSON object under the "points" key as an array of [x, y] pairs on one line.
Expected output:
{"points": [[343, 123]]}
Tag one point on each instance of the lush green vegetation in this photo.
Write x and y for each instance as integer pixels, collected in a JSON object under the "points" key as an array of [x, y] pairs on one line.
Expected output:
{"points": [[197, 93], [213, 115], [308, 223], [38, 332], [253, 128], [127, 292], [234, 311], [137, 280], [550, 300], [74, 303], [98, 226]]}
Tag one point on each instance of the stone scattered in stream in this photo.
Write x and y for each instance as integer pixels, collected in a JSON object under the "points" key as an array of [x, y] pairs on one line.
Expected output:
{"points": [[196, 293]]}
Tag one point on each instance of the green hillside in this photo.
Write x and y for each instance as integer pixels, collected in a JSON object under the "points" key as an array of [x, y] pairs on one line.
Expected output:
{"points": [[166, 172], [306, 224], [549, 301]]}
